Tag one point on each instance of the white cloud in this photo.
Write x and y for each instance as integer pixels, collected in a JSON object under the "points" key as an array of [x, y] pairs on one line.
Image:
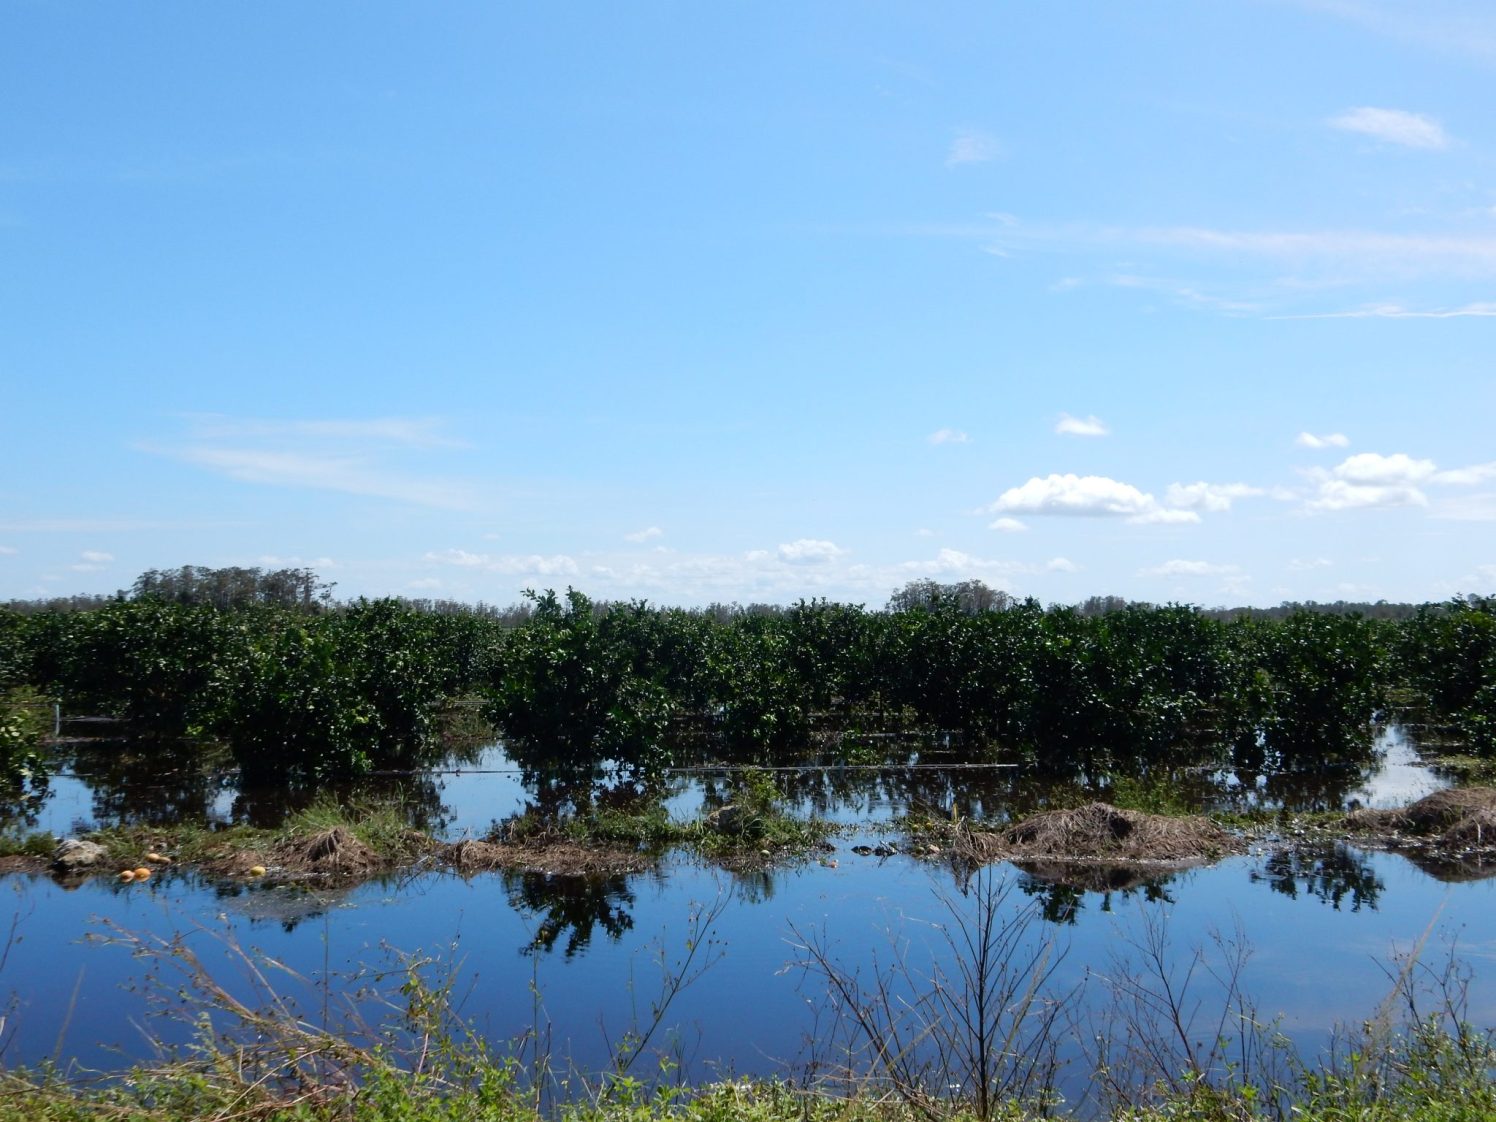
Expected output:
{"points": [[424, 584], [1373, 468], [1211, 497], [459, 557], [1308, 564], [809, 551], [93, 561], [972, 146], [1077, 426], [1337, 494], [1061, 565], [647, 534], [924, 532], [1180, 568], [1329, 440], [948, 436], [1086, 495], [1008, 526], [8, 550], [1395, 126], [1475, 473], [1369, 480]]}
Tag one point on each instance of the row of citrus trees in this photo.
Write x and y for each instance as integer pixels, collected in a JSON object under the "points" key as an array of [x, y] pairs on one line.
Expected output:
{"points": [[306, 696]]}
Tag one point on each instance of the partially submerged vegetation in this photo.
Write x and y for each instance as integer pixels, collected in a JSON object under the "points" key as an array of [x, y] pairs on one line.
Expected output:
{"points": [[332, 842], [304, 690]]}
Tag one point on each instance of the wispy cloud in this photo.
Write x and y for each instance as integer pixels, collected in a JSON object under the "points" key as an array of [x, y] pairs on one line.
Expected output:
{"points": [[948, 436], [1008, 526], [353, 456], [1183, 568], [1329, 440], [1080, 426], [8, 551], [1318, 258], [649, 533], [972, 146], [1467, 32], [106, 525], [1393, 126], [1185, 294], [354, 475], [417, 432], [1477, 309]]}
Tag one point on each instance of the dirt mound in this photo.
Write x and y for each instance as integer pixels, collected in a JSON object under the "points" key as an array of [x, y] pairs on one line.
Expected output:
{"points": [[1101, 832]]}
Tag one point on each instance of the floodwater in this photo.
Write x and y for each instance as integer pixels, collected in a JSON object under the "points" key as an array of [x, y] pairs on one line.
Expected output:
{"points": [[581, 958]]}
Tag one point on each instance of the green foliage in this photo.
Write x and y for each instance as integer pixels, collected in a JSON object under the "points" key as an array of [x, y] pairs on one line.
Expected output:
{"points": [[25, 720], [576, 687], [1325, 678], [1448, 653], [305, 690]]}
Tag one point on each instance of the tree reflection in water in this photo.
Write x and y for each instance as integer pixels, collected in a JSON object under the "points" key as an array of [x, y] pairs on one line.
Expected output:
{"points": [[1061, 887], [571, 906], [1330, 874]]}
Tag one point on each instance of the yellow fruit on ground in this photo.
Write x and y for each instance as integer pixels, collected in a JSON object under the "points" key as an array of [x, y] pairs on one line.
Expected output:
{"points": [[142, 873], [158, 858], [257, 870], [127, 875]]}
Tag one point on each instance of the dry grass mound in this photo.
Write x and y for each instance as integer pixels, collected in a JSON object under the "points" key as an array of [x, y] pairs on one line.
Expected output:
{"points": [[1101, 832], [331, 854], [1455, 818]]}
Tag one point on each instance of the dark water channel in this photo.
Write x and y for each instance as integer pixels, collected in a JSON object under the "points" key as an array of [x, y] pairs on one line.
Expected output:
{"points": [[580, 956]]}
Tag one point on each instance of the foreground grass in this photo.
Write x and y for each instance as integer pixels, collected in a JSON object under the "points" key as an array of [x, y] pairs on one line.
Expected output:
{"points": [[1435, 1083]]}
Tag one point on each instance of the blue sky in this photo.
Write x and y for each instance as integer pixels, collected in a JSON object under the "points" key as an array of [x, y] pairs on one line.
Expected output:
{"points": [[697, 302]]}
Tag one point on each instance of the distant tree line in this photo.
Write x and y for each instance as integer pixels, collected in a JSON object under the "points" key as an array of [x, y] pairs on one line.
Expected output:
{"points": [[303, 688]]}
